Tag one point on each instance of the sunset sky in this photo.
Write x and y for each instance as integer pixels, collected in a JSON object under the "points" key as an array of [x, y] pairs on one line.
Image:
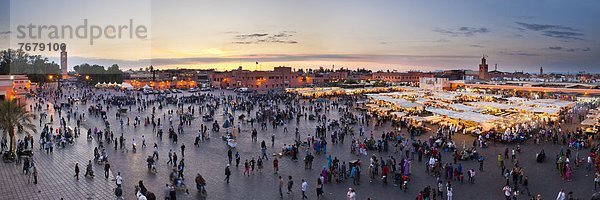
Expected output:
{"points": [[561, 36]]}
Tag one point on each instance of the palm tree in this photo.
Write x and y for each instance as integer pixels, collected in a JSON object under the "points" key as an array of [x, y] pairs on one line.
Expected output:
{"points": [[12, 116]]}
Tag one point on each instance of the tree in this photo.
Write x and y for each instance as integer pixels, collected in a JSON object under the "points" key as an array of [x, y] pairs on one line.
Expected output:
{"points": [[98, 74], [36, 67], [13, 116]]}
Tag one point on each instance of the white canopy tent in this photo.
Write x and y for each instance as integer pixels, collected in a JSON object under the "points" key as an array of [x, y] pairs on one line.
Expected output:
{"points": [[444, 96], [462, 107], [485, 104], [468, 116], [546, 110], [396, 101], [515, 99], [549, 103], [126, 86], [590, 122]]}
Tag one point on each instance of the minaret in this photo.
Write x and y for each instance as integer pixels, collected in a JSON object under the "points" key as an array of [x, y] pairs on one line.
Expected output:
{"points": [[483, 69], [63, 60], [541, 70]]}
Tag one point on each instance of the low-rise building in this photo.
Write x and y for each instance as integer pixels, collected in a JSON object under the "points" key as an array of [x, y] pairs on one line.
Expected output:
{"points": [[14, 87], [400, 77], [277, 79]]}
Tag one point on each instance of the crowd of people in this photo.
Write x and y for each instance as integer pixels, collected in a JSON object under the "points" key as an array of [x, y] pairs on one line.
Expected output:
{"points": [[392, 153]]}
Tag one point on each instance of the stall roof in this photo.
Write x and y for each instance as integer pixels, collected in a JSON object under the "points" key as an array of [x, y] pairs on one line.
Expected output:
{"points": [[547, 110], [444, 96], [479, 95], [418, 118], [589, 122], [462, 107], [432, 118], [421, 101], [396, 101], [549, 103], [468, 116], [513, 99], [492, 105]]}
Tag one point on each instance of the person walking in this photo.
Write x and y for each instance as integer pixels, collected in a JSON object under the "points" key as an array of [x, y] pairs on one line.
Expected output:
{"points": [[77, 171], [246, 168], [276, 165], [227, 173], [155, 153], [526, 186], [561, 195], [290, 184], [471, 174], [319, 187], [304, 187], [35, 175], [449, 193], [88, 169], [182, 150], [264, 152], [237, 159], [170, 157], [167, 191], [273, 140], [143, 142], [507, 191], [174, 159], [480, 160], [280, 187], [351, 194], [596, 180], [356, 175], [229, 155], [119, 179], [106, 169], [118, 192]]}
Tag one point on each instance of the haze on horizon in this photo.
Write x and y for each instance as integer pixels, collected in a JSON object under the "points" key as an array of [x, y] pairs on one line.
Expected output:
{"points": [[561, 36]]}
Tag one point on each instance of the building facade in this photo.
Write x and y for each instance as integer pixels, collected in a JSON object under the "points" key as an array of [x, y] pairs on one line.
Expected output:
{"points": [[279, 78], [324, 78], [399, 77], [434, 84], [14, 87]]}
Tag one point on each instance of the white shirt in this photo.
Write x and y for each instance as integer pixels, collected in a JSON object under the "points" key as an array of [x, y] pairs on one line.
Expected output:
{"points": [[119, 180], [140, 196], [507, 191], [304, 186], [432, 161], [351, 195], [561, 196]]}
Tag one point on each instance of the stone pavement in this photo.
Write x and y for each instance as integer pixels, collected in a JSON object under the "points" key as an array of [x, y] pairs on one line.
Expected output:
{"points": [[210, 159], [55, 174]]}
